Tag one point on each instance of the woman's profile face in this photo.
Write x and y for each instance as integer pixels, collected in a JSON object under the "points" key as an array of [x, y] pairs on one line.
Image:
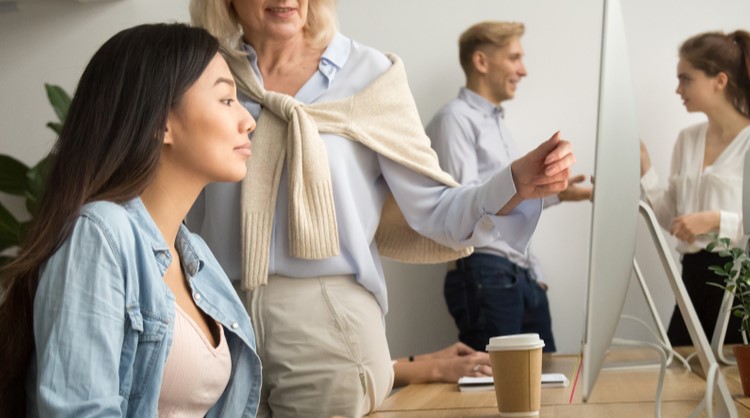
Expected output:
{"points": [[271, 19], [207, 131], [697, 90]]}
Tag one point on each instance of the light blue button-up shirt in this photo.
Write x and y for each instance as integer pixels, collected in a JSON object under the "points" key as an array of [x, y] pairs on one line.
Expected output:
{"points": [[104, 319], [473, 143], [455, 217]]}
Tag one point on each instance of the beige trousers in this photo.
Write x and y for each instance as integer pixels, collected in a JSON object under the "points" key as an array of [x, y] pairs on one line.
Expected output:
{"points": [[321, 341]]}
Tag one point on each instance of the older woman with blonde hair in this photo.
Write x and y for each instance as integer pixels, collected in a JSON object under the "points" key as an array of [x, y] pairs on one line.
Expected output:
{"points": [[342, 174]]}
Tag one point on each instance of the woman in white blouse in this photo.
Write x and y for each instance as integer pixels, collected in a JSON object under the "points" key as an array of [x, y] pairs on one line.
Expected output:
{"points": [[704, 191]]}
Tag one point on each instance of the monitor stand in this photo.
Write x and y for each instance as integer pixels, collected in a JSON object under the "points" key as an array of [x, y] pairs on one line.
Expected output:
{"points": [[660, 335], [714, 379], [720, 331]]}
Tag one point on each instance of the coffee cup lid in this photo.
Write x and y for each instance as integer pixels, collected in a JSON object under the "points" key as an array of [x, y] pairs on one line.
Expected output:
{"points": [[515, 342]]}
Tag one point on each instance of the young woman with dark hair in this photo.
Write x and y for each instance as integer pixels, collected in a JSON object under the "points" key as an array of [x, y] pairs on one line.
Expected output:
{"points": [[704, 194], [112, 306]]}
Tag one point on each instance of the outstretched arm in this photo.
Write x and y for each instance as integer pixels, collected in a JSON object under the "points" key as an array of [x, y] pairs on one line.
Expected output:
{"points": [[575, 193]]}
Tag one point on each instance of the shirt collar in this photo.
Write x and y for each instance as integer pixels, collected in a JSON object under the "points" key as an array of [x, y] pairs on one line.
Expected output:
{"points": [[192, 258], [335, 55], [480, 103], [333, 59]]}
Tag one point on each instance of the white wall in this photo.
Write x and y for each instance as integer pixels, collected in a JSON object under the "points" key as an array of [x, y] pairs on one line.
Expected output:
{"points": [[50, 41]]}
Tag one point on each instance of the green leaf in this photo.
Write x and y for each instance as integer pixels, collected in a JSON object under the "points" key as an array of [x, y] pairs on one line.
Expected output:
{"points": [[59, 99], [716, 269], [12, 175], [726, 288], [711, 245], [55, 126], [9, 229], [36, 178]]}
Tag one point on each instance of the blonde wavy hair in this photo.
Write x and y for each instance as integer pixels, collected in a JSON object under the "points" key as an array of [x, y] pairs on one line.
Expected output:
{"points": [[221, 20]]}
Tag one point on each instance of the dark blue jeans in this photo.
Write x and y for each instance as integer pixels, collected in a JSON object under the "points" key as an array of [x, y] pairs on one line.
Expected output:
{"points": [[490, 296]]}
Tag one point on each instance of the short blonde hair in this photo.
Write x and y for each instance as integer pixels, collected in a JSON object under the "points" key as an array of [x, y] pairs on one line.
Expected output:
{"points": [[489, 33], [220, 19]]}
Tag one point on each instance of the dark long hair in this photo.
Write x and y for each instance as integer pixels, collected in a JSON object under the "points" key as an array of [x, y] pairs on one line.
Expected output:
{"points": [[716, 52], [108, 149]]}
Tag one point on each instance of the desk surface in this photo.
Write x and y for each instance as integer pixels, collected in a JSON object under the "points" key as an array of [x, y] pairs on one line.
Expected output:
{"points": [[617, 393]]}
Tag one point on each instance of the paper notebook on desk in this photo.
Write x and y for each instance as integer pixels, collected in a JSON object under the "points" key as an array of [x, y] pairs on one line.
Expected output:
{"points": [[473, 384]]}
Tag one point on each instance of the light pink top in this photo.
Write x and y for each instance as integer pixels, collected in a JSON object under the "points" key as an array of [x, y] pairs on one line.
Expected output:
{"points": [[196, 373]]}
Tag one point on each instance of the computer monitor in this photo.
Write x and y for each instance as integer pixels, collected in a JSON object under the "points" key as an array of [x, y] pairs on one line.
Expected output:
{"points": [[616, 197]]}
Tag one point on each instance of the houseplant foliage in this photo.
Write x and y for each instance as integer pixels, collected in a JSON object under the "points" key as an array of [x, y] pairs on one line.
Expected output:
{"points": [[736, 274], [18, 179]]}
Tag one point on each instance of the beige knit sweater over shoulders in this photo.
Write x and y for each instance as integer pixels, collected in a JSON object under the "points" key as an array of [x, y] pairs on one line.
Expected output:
{"points": [[383, 117]]}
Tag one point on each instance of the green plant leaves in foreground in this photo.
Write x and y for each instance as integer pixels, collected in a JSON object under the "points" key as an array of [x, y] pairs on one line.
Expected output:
{"points": [[18, 179], [736, 274], [60, 101], [10, 229], [35, 180], [12, 176]]}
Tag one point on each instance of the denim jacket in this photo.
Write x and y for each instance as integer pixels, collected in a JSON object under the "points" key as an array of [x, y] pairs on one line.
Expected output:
{"points": [[104, 319]]}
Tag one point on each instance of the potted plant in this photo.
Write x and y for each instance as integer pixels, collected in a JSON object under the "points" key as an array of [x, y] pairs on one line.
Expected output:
{"points": [[16, 178], [736, 274]]}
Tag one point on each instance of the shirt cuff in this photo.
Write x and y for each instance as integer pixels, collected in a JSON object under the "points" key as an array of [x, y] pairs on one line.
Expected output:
{"points": [[729, 226], [515, 228], [498, 191]]}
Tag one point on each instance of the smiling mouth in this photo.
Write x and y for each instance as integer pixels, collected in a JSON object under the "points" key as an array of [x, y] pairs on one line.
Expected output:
{"points": [[280, 10]]}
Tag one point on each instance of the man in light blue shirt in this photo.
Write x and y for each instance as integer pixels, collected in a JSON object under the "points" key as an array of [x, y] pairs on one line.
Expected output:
{"points": [[496, 290]]}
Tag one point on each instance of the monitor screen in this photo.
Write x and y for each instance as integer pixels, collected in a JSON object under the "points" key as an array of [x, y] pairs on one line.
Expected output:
{"points": [[616, 197]]}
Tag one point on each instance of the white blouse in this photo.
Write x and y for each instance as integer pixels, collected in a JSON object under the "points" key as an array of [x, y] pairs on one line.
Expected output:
{"points": [[694, 189]]}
